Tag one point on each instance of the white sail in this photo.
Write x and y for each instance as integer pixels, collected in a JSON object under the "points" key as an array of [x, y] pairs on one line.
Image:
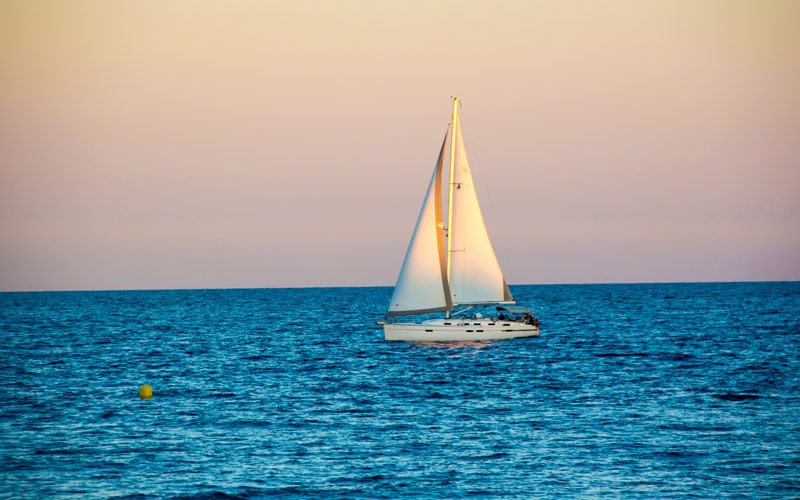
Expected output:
{"points": [[475, 275], [422, 286]]}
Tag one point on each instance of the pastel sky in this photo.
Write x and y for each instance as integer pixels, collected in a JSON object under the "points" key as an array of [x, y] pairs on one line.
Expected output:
{"points": [[188, 144]]}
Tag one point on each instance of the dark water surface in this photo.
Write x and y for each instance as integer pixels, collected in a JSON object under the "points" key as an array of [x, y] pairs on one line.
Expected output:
{"points": [[632, 390]]}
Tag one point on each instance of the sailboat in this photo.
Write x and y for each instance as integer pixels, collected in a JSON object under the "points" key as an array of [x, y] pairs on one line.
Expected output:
{"points": [[450, 265]]}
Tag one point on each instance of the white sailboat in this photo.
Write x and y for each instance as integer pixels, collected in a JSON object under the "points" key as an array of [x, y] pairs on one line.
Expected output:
{"points": [[450, 265]]}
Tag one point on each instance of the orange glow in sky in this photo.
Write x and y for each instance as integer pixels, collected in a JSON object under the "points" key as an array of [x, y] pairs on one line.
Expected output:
{"points": [[185, 144]]}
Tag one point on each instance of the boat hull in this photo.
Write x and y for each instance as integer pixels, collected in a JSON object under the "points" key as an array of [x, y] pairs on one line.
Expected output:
{"points": [[458, 331]]}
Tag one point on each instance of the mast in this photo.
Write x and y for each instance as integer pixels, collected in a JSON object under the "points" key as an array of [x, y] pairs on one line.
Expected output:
{"points": [[450, 189]]}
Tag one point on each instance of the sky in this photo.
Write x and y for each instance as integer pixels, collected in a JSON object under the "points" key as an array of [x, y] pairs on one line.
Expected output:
{"points": [[198, 144]]}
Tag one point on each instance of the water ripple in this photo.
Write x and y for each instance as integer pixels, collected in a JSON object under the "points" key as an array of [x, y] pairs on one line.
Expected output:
{"points": [[632, 390]]}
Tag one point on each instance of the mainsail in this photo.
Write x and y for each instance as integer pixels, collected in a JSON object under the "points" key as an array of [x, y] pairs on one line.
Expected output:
{"points": [[475, 274], [439, 273]]}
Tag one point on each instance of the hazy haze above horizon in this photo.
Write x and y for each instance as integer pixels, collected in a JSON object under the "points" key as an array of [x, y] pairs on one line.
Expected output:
{"points": [[192, 144]]}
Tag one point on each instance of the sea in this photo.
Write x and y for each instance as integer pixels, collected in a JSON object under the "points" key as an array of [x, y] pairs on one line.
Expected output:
{"points": [[631, 391]]}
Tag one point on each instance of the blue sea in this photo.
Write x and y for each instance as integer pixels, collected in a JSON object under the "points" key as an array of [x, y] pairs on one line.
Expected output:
{"points": [[644, 390]]}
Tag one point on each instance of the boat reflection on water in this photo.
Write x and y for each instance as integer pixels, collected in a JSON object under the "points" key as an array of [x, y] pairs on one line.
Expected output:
{"points": [[460, 344]]}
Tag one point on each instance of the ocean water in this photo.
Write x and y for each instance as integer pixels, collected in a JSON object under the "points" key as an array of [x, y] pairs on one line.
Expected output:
{"points": [[656, 390]]}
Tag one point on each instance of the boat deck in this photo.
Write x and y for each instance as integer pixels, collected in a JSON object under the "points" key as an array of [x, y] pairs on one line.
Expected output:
{"points": [[448, 330]]}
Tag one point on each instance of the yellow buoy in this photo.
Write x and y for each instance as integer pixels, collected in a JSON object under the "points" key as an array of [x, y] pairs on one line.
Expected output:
{"points": [[145, 392]]}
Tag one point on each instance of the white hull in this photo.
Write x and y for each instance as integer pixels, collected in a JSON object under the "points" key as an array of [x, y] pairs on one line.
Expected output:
{"points": [[458, 330]]}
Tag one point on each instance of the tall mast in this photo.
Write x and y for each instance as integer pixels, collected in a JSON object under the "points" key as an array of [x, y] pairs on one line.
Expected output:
{"points": [[450, 188]]}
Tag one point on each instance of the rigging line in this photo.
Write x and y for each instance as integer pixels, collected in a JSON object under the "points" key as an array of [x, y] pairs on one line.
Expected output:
{"points": [[491, 200]]}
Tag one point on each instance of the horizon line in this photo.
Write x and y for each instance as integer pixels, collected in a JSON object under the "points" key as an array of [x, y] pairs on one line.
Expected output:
{"points": [[311, 287]]}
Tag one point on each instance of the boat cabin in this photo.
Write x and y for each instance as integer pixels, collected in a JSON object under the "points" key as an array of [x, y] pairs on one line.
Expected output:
{"points": [[516, 313]]}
